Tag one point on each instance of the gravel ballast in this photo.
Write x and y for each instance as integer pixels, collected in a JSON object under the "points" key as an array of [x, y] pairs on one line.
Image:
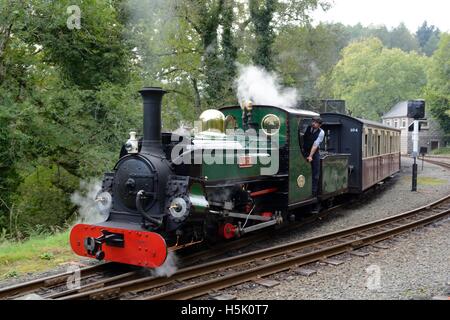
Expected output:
{"points": [[416, 265]]}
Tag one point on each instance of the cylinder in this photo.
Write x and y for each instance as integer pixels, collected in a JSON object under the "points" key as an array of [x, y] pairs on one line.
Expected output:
{"points": [[152, 98]]}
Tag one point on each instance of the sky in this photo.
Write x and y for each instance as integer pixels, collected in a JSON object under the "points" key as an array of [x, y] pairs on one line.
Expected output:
{"points": [[388, 12]]}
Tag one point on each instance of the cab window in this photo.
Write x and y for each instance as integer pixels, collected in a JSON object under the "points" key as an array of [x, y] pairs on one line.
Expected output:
{"points": [[302, 126]]}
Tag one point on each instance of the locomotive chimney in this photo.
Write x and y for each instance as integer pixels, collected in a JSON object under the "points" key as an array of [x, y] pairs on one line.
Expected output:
{"points": [[152, 98]]}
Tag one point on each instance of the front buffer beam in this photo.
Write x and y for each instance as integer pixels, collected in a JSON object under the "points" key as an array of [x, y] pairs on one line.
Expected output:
{"points": [[139, 248]]}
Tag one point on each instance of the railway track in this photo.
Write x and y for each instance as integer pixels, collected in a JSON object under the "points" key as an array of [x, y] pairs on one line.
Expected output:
{"points": [[49, 282], [199, 280], [107, 274], [199, 275], [445, 165]]}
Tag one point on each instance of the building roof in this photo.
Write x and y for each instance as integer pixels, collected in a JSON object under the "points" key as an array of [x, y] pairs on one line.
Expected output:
{"points": [[398, 111], [366, 122]]}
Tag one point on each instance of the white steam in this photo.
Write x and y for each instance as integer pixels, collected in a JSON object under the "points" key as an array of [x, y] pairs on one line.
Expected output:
{"points": [[183, 129], [262, 87], [168, 268], [93, 206]]}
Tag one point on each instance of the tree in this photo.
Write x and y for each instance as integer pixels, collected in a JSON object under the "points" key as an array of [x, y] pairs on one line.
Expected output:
{"points": [[95, 53], [400, 37], [372, 78], [64, 112], [438, 88], [230, 51], [261, 16], [268, 15], [428, 38], [304, 53]]}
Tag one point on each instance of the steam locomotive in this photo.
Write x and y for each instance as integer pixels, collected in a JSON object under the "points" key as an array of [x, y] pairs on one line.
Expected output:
{"points": [[242, 169]]}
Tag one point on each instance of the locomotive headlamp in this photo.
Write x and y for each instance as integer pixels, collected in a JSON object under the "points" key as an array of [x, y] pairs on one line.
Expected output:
{"points": [[178, 208], [103, 202]]}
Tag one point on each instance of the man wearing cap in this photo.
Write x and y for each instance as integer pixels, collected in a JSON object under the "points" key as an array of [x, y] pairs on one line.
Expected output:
{"points": [[312, 139]]}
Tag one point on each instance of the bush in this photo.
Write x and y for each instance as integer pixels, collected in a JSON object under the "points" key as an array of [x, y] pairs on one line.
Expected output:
{"points": [[443, 151], [42, 201]]}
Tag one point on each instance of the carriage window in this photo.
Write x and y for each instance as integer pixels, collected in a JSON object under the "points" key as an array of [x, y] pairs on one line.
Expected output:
{"points": [[365, 145], [374, 143], [370, 147], [390, 143], [378, 143], [386, 142]]}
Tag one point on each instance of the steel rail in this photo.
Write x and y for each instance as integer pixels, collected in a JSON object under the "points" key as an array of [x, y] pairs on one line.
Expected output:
{"points": [[439, 163], [100, 290], [32, 286], [202, 288], [148, 283], [46, 282]]}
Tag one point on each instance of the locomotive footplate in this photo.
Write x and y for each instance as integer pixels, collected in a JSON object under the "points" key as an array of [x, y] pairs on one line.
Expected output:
{"points": [[143, 248]]}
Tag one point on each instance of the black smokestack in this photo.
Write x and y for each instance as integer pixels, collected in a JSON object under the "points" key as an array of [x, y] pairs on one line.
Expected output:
{"points": [[152, 98]]}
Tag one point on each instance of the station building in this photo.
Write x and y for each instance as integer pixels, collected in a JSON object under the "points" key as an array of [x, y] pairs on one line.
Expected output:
{"points": [[431, 135]]}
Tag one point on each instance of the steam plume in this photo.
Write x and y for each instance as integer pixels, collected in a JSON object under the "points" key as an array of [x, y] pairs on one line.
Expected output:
{"points": [[264, 88], [87, 199]]}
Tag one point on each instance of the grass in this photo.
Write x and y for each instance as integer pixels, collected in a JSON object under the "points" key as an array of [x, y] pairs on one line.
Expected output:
{"points": [[441, 151], [428, 181], [37, 254]]}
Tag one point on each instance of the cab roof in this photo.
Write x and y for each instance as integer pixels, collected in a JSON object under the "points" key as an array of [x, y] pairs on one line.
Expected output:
{"points": [[298, 112]]}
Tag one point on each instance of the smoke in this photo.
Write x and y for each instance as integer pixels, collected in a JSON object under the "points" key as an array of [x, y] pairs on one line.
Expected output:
{"points": [[183, 129], [93, 206], [263, 88], [168, 268]]}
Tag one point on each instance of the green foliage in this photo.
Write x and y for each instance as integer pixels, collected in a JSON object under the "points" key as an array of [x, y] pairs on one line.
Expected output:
{"points": [[47, 256], [261, 15], [303, 54], [372, 78], [21, 257], [441, 151], [42, 200], [89, 56], [68, 99], [399, 37], [268, 15], [438, 89], [428, 38], [11, 274]]}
